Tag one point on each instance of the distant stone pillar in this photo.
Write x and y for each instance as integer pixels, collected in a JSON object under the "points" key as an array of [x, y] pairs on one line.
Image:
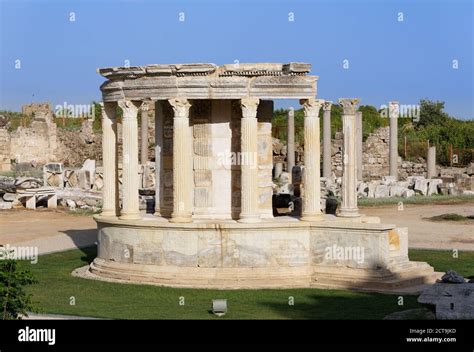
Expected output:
{"points": [[182, 171], [290, 156], [158, 157], [312, 161], [349, 177], [327, 148], [393, 111], [278, 169], [359, 145], [249, 171], [144, 133], [431, 162], [110, 204], [130, 209]]}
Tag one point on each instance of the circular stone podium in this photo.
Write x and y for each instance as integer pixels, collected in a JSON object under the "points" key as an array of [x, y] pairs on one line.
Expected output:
{"points": [[212, 225]]}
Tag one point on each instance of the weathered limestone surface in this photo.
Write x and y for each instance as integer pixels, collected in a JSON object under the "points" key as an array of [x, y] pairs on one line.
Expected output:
{"points": [[208, 81], [214, 166], [312, 187], [393, 109], [291, 140], [270, 254], [327, 148], [349, 180]]}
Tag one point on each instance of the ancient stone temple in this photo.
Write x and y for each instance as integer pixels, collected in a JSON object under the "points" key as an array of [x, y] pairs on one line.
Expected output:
{"points": [[213, 224]]}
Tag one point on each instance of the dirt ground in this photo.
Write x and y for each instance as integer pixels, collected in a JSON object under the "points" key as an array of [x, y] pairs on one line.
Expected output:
{"points": [[56, 230], [50, 230], [424, 233]]}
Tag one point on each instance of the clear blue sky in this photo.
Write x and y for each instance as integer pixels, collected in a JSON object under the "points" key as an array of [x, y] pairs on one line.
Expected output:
{"points": [[388, 59]]}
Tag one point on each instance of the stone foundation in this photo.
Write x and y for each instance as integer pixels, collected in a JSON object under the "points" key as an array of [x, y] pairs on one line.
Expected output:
{"points": [[278, 253]]}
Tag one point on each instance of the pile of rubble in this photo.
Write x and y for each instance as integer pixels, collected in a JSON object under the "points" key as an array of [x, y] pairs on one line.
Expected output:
{"points": [[81, 187], [387, 186]]}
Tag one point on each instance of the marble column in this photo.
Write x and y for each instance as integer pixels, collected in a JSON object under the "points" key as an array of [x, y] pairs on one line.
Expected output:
{"points": [[158, 157], [431, 162], [359, 137], [290, 154], [312, 161], [393, 112], [327, 148], [349, 177], [110, 205], [144, 133], [249, 170], [182, 167], [130, 180]]}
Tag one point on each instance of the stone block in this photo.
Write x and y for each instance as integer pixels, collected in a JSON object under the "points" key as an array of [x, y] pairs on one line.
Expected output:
{"points": [[433, 186], [396, 190], [421, 186], [408, 193], [382, 191]]}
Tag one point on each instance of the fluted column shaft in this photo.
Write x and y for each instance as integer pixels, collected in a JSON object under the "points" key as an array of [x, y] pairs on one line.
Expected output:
{"points": [[359, 138], [249, 170], [327, 139], [158, 156], [393, 112], [312, 161], [130, 180], [290, 153], [182, 172], [349, 177], [110, 206], [144, 133]]}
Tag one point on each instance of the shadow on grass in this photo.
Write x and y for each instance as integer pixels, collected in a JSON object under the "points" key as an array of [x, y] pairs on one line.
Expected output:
{"points": [[334, 305]]}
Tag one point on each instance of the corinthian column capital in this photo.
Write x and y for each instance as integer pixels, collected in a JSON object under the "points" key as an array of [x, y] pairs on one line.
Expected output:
{"points": [[129, 108], [108, 110], [180, 107], [311, 106], [349, 105], [249, 106], [327, 105], [145, 105]]}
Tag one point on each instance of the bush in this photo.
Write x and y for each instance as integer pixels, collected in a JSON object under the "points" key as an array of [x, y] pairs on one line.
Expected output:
{"points": [[15, 302]]}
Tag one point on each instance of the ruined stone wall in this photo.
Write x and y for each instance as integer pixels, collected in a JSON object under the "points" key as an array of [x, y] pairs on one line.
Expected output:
{"points": [[4, 149], [37, 143], [375, 154]]}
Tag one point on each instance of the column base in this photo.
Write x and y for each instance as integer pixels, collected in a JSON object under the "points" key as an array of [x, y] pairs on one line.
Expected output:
{"points": [[248, 219], [108, 213], [349, 213], [158, 217], [131, 216], [312, 217], [181, 219]]}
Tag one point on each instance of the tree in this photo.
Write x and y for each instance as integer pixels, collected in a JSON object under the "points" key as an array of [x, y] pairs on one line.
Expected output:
{"points": [[431, 113], [15, 302]]}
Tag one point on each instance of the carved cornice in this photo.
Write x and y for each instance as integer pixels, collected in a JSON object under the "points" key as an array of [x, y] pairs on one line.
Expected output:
{"points": [[207, 69], [249, 106], [180, 107], [349, 105]]}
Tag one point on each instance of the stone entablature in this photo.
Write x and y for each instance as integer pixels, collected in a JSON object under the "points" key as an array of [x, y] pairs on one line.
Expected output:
{"points": [[208, 81]]}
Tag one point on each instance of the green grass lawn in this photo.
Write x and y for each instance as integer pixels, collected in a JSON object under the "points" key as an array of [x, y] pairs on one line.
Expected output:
{"points": [[93, 298]]}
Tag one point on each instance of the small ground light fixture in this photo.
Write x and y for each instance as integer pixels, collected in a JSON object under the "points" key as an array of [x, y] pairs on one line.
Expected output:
{"points": [[219, 307]]}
